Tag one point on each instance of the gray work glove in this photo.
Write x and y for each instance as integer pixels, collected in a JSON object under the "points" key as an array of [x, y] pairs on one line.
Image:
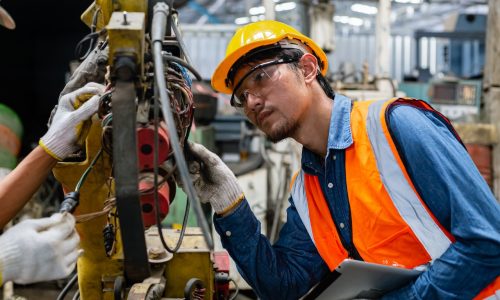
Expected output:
{"points": [[213, 181]]}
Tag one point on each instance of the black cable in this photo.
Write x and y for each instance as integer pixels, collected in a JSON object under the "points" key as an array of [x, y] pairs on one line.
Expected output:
{"points": [[155, 184], [92, 37], [76, 296], [68, 287], [184, 64], [181, 42]]}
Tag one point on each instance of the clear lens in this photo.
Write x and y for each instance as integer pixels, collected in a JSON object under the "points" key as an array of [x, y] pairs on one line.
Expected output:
{"points": [[255, 82]]}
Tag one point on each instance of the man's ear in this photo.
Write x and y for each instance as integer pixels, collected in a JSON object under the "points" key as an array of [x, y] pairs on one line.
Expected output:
{"points": [[309, 66]]}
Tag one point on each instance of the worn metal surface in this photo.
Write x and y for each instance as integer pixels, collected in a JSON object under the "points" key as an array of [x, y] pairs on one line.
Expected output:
{"points": [[193, 260], [93, 265]]}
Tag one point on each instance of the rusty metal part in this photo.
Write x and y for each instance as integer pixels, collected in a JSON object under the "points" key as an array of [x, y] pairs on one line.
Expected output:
{"points": [[92, 69]]}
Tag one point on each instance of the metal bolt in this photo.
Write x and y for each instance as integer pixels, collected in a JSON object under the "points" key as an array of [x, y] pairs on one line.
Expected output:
{"points": [[125, 22]]}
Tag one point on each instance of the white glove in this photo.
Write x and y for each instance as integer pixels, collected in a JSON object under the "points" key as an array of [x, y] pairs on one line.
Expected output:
{"points": [[39, 249], [60, 139], [213, 181]]}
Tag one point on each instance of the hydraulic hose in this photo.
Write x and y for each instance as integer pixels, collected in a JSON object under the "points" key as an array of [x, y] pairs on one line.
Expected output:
{"points": [[160, 14]]}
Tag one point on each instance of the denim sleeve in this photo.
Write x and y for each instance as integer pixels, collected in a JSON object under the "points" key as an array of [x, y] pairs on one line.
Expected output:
{"points": [[453, 189], [285, 270]]}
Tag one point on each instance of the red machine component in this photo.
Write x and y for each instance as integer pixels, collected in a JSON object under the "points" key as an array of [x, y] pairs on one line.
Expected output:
{"points": [[221, 266], [146, 188], [145, 146]]}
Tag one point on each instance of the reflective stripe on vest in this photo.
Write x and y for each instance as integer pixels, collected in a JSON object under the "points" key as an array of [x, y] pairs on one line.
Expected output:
{"points": [[403, 195], [300, 201]]}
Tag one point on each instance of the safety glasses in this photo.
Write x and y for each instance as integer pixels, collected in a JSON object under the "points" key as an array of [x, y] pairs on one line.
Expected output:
{"points": [[257, 81]]}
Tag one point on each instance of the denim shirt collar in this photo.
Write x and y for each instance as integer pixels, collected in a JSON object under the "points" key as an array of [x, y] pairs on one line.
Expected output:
{"points": [[339, 134]]}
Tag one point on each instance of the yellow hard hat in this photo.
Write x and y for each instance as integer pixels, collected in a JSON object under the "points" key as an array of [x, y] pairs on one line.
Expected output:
{"points": [[255, 35]]}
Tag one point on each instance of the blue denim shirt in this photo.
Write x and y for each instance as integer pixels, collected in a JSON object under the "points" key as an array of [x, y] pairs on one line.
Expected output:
{"points": [[444, 176]]}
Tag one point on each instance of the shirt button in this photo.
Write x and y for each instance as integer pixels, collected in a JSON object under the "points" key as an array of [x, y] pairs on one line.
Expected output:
{"points": [[342, 225], [228, 233], [334, 157], [330, 185]]}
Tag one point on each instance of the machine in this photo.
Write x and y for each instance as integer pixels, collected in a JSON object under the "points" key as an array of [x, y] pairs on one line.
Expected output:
{"points": [[122, 180]]}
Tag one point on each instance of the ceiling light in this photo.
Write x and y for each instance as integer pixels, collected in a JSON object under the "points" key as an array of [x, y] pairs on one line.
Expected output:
{"points": [[242, 20], [364, 9], [256, 18], [348, 20], [258, 10], [355, 21], [409, 1], [285, 6]]}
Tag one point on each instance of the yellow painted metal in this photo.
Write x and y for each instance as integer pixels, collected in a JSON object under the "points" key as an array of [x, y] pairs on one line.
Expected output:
{"points": [[96, 271], [126, 32], [193, 260], [93, 264], [107, 7]]}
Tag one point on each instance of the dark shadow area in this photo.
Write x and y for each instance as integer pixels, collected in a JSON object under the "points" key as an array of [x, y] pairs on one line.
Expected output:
{"points": [[34, 59]]}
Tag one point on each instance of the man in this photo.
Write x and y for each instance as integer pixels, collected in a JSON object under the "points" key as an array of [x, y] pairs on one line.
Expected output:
{"points": [[387, 182], [43, 249]]}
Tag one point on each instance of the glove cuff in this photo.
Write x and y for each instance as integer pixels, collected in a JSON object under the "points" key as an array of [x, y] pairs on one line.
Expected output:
{"points": [[231, 194], [55, 147], [10, 261]]}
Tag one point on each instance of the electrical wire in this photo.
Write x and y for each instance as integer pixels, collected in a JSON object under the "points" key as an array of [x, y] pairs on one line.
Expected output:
{"points": [[76, 296], [182, 63], [68, 287], [155, 184], [87, 171], [109, 204], [236, 292], [158, 31], [179, 38]]}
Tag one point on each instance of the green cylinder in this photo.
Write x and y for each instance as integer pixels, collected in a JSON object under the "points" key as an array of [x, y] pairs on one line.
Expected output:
{"points": [[7, 159], [9, 118], [11, 131]]}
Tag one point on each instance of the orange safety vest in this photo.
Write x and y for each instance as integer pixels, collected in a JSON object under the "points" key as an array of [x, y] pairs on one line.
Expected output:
{"points": [[391, 225]]}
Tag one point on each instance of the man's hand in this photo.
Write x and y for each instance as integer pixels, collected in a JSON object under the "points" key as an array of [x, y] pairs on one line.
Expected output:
{"points": [[60, 140], [213, 181], [39, 250]]}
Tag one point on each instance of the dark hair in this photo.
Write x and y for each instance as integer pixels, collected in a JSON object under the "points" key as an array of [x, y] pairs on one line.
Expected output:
{"points": [[276, 52]]}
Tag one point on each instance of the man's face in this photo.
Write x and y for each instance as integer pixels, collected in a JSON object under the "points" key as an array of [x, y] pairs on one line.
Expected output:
{"points": [[272, 97]]}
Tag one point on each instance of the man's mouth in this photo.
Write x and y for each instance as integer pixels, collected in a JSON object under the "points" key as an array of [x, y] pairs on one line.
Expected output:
{"points": [[263, 115]]}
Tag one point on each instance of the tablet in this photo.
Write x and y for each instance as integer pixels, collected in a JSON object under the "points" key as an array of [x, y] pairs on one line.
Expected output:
{"points": [[354, 279]]}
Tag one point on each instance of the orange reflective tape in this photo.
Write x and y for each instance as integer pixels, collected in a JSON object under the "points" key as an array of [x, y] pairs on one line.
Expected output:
{"points": [[490, 290]]}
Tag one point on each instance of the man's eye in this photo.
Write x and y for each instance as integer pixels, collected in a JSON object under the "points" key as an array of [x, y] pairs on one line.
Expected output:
{"points": [[243, 96], [259, 76]]}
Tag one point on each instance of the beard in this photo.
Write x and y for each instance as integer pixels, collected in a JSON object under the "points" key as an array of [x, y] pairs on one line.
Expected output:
{"points": [[282, 131]]}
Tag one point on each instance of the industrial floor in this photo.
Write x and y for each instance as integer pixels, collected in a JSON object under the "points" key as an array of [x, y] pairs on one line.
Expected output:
{"points": [[50, 291]]}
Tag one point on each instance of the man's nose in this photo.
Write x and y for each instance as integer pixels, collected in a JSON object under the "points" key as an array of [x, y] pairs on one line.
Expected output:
{"points": [[254, 102]]}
